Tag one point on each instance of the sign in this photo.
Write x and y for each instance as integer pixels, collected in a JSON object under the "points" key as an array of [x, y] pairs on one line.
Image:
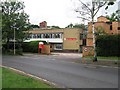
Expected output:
{"points": [[71, 38], [41, 45], [85, 49]]}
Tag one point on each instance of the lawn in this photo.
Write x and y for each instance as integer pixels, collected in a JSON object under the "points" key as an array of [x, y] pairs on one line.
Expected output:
{"points": [[105, 58], [11, 79]]}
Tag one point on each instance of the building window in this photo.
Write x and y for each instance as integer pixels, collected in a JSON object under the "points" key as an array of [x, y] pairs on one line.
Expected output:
{"points": [[118, 28], [58, 46], [81, 36], [41, 35], [30, 36], [84, 42], [38, 35], [57, 35], [53, 35], [34, 36], [110, 27], [60, 35], [109, 22], [47, 36], [44, 35]]}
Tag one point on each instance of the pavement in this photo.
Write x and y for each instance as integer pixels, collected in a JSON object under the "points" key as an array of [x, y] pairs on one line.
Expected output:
{"points": [[100, 62], [61, 69]]}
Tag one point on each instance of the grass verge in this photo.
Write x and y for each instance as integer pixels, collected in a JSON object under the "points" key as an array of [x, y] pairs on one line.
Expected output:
{"points": [[104, 58], [11, 79]]}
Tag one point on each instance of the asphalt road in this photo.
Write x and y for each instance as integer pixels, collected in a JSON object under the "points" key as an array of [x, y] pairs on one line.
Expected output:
{"points": [[60, 70]]}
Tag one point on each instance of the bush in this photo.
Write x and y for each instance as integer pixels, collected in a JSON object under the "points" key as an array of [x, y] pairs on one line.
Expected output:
{"points": [[9, 48], [108, 45], [31, 46]]}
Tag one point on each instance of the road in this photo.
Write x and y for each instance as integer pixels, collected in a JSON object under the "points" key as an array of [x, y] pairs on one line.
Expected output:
{"points": [[60, 70]]}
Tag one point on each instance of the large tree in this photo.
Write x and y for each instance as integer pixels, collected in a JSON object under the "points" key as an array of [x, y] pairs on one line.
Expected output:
{"points": [[88, 11], [13, 19]]}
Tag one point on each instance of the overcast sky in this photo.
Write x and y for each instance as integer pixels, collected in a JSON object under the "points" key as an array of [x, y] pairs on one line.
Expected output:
{"points": [[55, 12]]}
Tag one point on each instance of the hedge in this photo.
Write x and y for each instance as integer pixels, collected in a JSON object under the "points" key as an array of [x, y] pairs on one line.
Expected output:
{"points": [[31, 46], [108, 45], [8, 49], [21, 47]]}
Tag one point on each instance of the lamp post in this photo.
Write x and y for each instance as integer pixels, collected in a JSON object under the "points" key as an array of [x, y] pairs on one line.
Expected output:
{"points": [[14, 42], [14, 37]]}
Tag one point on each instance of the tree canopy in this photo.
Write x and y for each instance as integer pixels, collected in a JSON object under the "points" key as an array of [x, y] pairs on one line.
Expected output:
{"points": [[34, 26], [14, 18], [82, 26]]}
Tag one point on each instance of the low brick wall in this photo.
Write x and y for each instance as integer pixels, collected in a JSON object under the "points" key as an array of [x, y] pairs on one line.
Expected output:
{"points": [[46, 49]]}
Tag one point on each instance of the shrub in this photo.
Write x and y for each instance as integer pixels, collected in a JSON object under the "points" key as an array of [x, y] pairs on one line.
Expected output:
{"points": [[9, 49], [108, 45], [31, 46]]}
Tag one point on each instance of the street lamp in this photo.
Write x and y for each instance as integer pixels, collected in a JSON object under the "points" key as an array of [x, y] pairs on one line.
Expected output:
{"points": [[13, 26], [14, 37], [14, 42]]}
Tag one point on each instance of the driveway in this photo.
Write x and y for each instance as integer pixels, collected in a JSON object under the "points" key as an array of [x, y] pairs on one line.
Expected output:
{"points": [[58, 69]]}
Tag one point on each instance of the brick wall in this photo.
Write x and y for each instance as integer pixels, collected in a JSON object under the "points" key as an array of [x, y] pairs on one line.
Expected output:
{"points": [[88, 51]]}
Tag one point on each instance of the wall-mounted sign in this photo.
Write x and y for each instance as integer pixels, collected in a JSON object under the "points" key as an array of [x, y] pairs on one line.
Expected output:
{"points": [[85, 49], [71, 38]]}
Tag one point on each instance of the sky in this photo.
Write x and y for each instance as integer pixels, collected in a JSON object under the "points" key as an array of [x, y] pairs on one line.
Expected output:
{"points": [[56, 12]]}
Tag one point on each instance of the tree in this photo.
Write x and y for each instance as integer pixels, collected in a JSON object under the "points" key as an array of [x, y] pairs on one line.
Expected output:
{"points": [[82, 26], [99, 30], [118, 15], [14, 21], [114, 16], [34, 26], [69, 26], [57, 27], [88, 12]]}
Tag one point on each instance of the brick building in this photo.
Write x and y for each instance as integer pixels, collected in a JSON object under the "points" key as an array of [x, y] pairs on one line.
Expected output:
{"points": [[102, 26]]}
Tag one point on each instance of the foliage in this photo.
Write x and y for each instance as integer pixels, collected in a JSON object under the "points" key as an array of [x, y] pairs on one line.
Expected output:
{"points": [[82, 26], [118, 15], [99, 30], [31, 46], [57, 27], [34, 26], [69, 26], [108, 45], [13, 18], [113, 17], [11, 47]]}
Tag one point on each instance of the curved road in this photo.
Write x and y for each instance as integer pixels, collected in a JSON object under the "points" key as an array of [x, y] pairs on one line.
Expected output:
{"points": [[62, 71]]}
